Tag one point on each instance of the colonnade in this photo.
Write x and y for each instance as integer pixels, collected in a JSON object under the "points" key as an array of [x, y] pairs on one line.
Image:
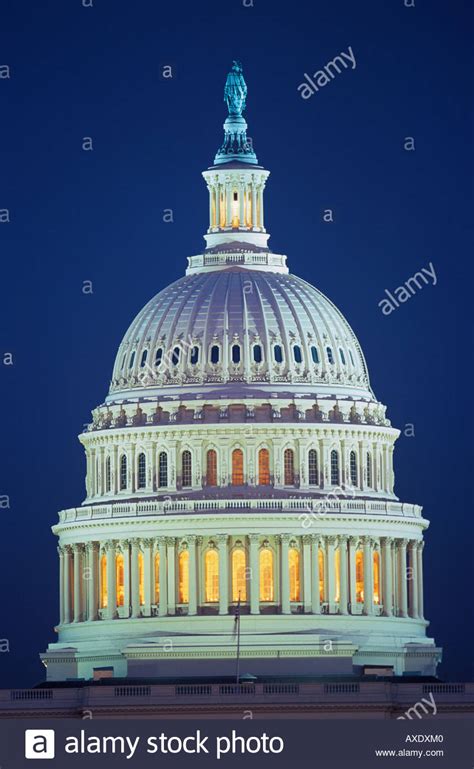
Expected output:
{"points": [[278, 574], [236, 201]]}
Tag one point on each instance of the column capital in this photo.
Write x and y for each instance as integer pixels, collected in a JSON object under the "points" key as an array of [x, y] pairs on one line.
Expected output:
{"points": [[161, 541], [171, 541], [92, 547], [67, 549], [283, 538], [110, 544], [222, 539], [331, 540], [343, 539], [402, 542], [420, 545], [254, 538], [307, 539], [60, 551], [386, 541], [135, 542], [148, 542], [78, 548], [354, 541], [192, 538]]}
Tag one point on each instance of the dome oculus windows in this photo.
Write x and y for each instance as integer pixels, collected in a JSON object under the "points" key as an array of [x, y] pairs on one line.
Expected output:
{"points": [[330, 355], [278, 353], [314, 354], [236, 353], [257, 353], [194, 355], [215, 354], [297, 353]]}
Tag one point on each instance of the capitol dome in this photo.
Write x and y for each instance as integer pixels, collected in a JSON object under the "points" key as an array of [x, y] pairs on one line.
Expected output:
{"points": [[240, 466]]}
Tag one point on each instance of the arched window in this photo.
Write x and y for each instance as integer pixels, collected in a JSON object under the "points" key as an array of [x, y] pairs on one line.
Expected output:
{"points": [[343, 357], [321, 574], [239, 582], [175, 356], [257, 353], [158, 357], [215, 352], [236, 353], [144, 357], [297, 353], [353, 467], [119, 581], [211, 575], [157, 578], [294, 568], [314, 354], [141, 579], [359, 576], [278, 353], [263, 467], [376, 562], [141, 471], [334, 468], [266, 575], [123, 472], [103, 581], [132, 360], [186, 468], [289, 467], [108, 475], [313, 467], [330, 355], [194, 355], [183, 576], [211, 468], [162, 469], [369, 470], [237, 467]]}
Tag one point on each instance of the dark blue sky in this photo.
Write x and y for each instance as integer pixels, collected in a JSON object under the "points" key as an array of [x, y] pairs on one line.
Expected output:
{"points": [[97, 216]]}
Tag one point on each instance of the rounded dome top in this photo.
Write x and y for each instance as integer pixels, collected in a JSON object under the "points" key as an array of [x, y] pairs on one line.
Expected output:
{"points": [[239, 331]]}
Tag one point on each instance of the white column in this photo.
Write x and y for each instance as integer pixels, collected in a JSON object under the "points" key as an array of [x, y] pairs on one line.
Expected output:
{"points": [[148, 576], [170, 544], [324, 469], [211, 200], [285, 574], [402, 577], [368, 577], [307, 600], [223, 574], [125, 545], [192, 607], [111, 581], [114, 470], [135, 579], [93, 581], [228, 207], [421, 611], [241, 205], [331, 573], [352, 573], [61, 584], [315, 600], [254, 574], [163, 607], [78, 592], [67, 584], [413, 577], [362, 466], [254, 204], [260, 203], [387, 586], [343, 576]]}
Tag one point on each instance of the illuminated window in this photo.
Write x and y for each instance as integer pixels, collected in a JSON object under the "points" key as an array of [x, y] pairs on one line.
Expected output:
{"points": [[183, 576], [263, 467], [239, 582], [257, 353], [353, 467], [330, 355], [211, 473], [237, 467], [132, 360], [144, 357], [194, 356], [236, 353], [211, 575], [108, 475], [162, 469], [343, 357], [359, 576], [321, 574], [297, 353], [266, 575], [337, 569], [376, 577], [175, 356], [314, 354], [158, 357], [278, 353], [334, 468], [141, 579], [369, 471], [294, 567], [157, 578], [289, 467], [141, 471], [103, 581], [123, 472], [186, 468], [313, 467], [215, 352], [119, 573]]}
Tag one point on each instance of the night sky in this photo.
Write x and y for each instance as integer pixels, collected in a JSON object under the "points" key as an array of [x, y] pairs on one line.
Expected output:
{"points": [[97, 216]]}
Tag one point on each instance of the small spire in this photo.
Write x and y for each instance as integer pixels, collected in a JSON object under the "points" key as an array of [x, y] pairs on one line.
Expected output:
{"points": [[236, 145]]}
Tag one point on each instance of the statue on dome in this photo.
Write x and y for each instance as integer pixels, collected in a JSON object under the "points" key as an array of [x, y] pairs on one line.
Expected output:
{"points": [[235, 90]]}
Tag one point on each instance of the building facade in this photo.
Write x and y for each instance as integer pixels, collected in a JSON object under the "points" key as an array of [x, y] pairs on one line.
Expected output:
{"points": [[240, 465]]}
